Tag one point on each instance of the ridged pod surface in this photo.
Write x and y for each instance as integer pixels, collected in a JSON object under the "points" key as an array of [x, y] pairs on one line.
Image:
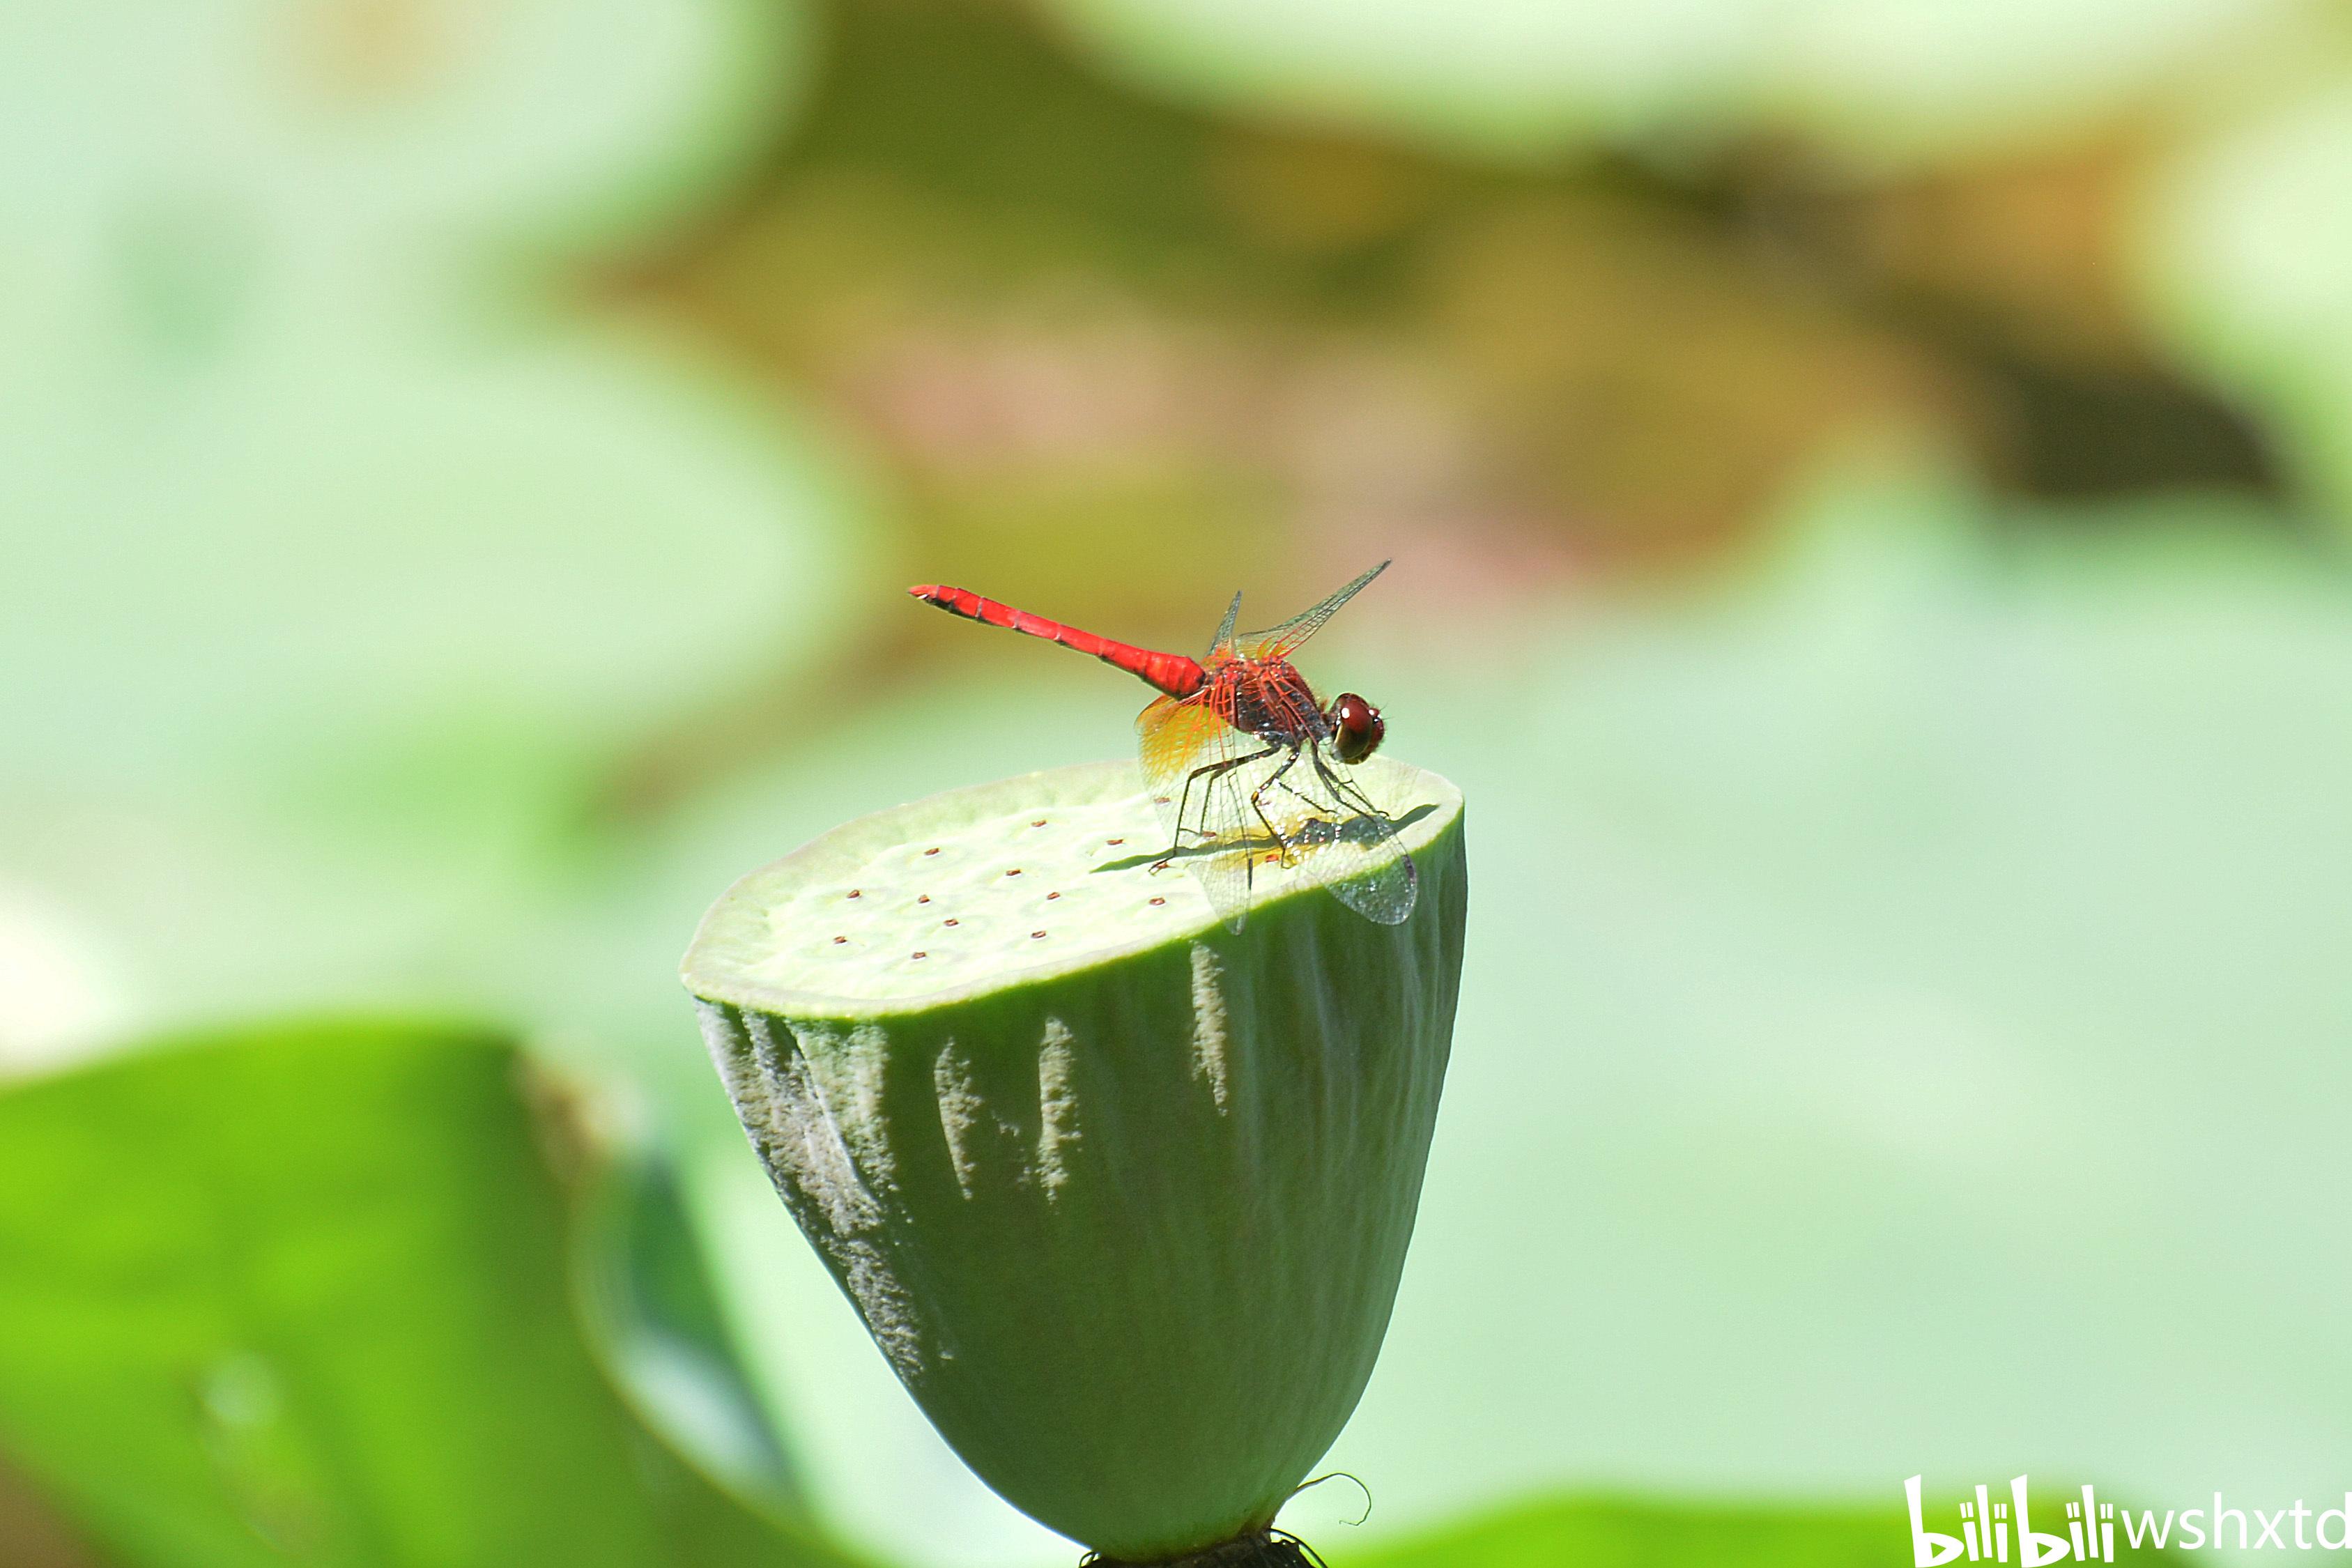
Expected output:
{"points": [[1123, 1196]]}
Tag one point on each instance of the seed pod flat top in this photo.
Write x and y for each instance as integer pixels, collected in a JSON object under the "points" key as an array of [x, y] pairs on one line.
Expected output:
{"points": [[1025, 879]]}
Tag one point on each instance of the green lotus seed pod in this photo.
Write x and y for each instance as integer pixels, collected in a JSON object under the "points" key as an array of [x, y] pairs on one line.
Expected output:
{"points": [[1122, 1196]]}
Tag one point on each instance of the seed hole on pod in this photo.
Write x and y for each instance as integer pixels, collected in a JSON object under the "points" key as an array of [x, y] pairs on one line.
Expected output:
{"points": [[922, 955], [1053, 895], [932, 851], [954, 922], [856, 893], [1015, 872], [1036, 933], [922, 898], [1039, 823], [1117, 841], [1159, 900], [839, 939]]}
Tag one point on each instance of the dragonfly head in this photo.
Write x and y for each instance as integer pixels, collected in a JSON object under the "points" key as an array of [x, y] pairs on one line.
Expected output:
{"points": [[1356, 727]]}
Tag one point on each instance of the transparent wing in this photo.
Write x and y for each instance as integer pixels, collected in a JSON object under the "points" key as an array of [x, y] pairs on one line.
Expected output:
{"points": [[1353, 844], [1223, 649], [1277, 642], [1193, 763]]}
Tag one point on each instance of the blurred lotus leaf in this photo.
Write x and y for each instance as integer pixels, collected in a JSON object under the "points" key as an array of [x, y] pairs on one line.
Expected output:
{"points": [[303, 1294], [339, 581], [1876, 81], [317, 675], [1907, 1008], [375, 140], [2245, 252], [1600, 1533], [1903, 1013]]}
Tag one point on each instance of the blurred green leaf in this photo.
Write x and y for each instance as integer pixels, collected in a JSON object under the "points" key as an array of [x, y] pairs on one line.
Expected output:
{"points": [[1876, 79], [341, 650], [303, 1294], [1600, 1533], [551, 126], [654, 1310], [343, 571], [1904, 1005], [2242, 247]]}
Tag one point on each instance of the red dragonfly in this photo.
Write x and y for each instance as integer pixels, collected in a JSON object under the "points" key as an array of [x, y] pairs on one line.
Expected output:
{"points": [[1246, 766]]}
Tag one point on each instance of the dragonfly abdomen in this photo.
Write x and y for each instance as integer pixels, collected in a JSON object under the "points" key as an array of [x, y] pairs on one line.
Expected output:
{"points": [[1172, 673]]}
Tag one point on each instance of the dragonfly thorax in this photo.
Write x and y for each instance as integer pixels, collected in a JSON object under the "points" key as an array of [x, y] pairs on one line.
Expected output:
{"points": [[1269, 699]]}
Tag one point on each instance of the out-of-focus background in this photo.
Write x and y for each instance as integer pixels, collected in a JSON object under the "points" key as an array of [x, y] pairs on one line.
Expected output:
{"points": [[1869, 483]]}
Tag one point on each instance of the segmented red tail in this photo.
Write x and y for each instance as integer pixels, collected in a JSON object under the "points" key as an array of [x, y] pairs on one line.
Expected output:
{"points": [[1171, 672]]}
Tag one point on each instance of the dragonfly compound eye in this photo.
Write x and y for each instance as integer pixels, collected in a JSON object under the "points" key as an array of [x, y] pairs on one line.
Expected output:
{"points": [[1356, 728]]}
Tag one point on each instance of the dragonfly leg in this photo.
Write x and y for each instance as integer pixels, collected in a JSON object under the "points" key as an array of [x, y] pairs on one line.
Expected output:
{"points": [[1317, 807], [1258, 803], [1345, 789], [1184, 800]]}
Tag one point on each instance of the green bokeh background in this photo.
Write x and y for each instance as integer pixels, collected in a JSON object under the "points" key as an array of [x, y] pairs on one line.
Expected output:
{"points": [[1870, 483]]}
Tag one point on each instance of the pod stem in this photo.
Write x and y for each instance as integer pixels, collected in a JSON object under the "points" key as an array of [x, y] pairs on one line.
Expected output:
{"points": [[1253, 1549]]}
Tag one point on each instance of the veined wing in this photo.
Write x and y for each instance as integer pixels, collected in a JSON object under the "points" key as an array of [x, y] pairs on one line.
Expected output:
{"points": [[1228, 800], [1279, 642], [1222, 648], [1353, 844], [1193, 763]]}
